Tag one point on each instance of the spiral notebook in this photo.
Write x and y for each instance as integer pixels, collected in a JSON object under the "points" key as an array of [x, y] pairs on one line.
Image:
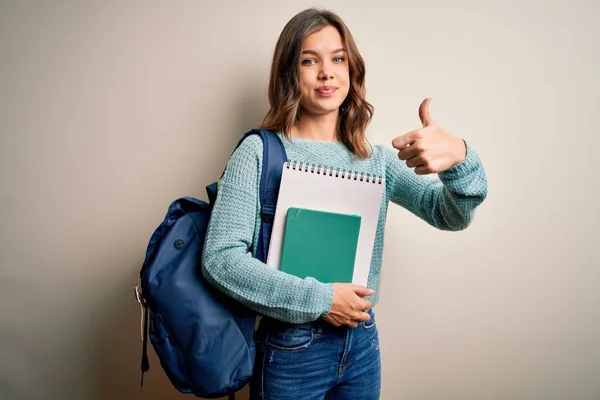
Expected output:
{"points": [[318, 188]]}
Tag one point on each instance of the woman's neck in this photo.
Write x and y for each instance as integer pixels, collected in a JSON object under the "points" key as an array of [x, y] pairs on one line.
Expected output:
{"points": [[320, 128]]}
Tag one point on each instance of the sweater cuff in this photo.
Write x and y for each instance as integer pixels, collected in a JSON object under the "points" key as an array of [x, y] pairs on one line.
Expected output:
{"points": [[328, 301], [466, 166]]}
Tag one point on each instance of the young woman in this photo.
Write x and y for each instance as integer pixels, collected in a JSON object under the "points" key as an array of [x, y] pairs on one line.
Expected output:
{"points": [[319, 340]]}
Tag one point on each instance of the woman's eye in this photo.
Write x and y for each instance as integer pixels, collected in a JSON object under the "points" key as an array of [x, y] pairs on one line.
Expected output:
{"points": [[308, 62], [338, 59]]}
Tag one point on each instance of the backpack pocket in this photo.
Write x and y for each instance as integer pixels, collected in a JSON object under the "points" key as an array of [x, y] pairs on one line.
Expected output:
{"points": [[168, 353]]}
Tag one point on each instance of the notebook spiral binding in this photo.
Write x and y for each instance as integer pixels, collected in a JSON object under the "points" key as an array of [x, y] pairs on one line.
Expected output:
{"points": [[321, 170]]}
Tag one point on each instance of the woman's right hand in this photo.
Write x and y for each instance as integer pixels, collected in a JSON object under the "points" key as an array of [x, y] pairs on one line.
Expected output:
{"points": [[349, 306]]}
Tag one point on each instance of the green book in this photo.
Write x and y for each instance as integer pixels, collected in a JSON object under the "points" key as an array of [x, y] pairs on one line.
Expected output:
{"points": [[320, 244]]}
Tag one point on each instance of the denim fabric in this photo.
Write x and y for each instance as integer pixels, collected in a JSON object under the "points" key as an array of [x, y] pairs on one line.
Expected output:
{"points": [[316, 361]]}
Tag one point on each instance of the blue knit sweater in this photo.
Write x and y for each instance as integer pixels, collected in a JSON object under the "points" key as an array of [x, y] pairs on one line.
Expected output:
{"points": [[446, 202]]}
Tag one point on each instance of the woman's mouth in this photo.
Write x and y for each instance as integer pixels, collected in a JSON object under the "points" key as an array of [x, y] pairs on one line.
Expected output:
{"points": [[326, 90]]}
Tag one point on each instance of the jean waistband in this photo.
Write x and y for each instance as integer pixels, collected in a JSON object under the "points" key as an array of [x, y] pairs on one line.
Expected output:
{"points": [[321, 324]]}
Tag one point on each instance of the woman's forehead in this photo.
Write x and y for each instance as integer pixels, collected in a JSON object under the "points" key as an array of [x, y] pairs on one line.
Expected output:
{"points": [[326, 40]]}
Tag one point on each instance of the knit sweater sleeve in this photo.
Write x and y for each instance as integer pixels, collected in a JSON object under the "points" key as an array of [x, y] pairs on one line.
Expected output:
{"points": [[227, 260], [448, 201]]}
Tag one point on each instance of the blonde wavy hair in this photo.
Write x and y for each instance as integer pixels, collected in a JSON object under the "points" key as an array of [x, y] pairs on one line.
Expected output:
{"points": [[284, 84]]}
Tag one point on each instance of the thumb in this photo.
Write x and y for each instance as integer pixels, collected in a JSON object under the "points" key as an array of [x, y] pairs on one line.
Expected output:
{"points": [[424, 115], [363, 291]]}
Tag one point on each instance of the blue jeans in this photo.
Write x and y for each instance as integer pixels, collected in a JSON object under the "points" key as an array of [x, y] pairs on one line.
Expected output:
{"points": [[316, 361]]}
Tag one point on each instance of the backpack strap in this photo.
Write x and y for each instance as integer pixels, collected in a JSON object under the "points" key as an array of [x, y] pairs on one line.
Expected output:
{"points": [[274, 156]]}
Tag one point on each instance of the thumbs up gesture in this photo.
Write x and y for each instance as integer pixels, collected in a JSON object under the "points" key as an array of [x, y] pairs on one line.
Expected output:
{"points": [[430, 149]]}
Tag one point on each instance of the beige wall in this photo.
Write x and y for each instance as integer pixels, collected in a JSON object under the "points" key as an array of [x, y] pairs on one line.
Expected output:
{"points": [[109, 110]]}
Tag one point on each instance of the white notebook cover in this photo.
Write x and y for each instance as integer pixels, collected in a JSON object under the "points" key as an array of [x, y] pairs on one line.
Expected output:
{"points": [[317, 188]]}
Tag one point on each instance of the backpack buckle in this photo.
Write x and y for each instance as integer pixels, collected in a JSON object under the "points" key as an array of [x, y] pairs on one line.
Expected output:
{"points": [[267, 213]]}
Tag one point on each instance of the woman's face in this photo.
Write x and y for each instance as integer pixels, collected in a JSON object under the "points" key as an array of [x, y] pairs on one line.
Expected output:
{"points": [[323, 72]]}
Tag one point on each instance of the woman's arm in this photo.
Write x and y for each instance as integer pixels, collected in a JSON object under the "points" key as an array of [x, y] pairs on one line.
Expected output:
{"points": [[447, 202], [227, 261]]}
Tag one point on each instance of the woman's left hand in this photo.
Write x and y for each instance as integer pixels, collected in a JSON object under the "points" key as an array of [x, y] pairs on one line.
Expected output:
{"points": [[430, 149]]}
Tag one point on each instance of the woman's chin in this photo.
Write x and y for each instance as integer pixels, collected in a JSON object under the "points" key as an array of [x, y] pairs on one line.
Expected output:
{"points": [[325, 108]]}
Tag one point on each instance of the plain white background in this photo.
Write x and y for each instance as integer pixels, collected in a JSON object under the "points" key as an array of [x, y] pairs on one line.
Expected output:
{"points": [[110, 110]]}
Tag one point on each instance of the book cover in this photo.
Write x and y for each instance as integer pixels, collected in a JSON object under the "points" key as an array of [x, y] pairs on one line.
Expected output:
{"points": [[320, 244], [320, 188]]}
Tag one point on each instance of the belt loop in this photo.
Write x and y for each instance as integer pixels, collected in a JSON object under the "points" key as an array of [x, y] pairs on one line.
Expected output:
{"points": [[319, 326]]}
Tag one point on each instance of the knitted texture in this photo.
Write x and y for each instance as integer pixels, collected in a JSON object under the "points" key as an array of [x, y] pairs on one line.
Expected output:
{"points": [[446, 202]]}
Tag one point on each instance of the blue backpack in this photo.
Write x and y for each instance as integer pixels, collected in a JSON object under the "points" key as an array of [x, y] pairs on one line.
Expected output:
{"points": [[203, 339]]}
